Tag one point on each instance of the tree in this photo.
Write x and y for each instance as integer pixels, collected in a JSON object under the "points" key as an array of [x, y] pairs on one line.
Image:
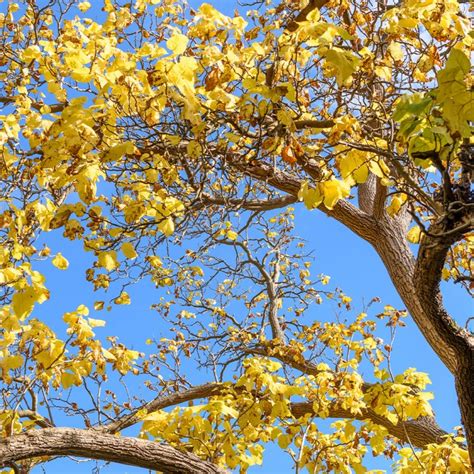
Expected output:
{"points": [[143, 127]]}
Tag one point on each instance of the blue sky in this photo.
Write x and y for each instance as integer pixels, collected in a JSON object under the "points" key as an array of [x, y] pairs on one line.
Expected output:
{"points": [[353, 266]]}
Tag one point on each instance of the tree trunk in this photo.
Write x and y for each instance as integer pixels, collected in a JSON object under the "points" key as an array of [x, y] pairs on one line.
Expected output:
{"points": [[465, 391], [392, 247]]}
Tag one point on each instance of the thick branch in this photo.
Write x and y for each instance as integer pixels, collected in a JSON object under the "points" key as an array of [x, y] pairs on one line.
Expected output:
{"points": [[418, 432], [366, 194], [345, 212], [53, 108], [159, 403], [432, 253], [392, 246], [427, 276], [302, 124], [107, 447]]}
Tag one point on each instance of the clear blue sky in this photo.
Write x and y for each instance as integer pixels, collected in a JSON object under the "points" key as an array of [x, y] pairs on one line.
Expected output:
{"points": [[353, 266]]}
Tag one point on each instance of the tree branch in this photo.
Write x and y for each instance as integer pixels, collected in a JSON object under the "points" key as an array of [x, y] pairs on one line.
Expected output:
{"points": [[250, 204], [345, 212], [302, 124], [107, 447], [161, 402], [434, 247], [312, 5], [419, 432], [366, 194]]}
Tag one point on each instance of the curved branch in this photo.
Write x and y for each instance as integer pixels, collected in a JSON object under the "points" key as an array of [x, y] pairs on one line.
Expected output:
{"points": [[161, 402], [419, 432], [434, 248], [107, 447], [248, 204], [426, 280], [343, 211], [302, 124]]}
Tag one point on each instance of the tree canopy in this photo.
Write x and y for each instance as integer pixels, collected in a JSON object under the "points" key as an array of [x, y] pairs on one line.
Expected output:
{"points": [[175, 144]]}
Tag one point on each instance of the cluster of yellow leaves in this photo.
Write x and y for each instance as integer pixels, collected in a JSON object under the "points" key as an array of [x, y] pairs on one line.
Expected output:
{"points": [[459, 262], [447, 456], [50, 359], [230, 427], [401, 399], [257, 407], [327, 193]]}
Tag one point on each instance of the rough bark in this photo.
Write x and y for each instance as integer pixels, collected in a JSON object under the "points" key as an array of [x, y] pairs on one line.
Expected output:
{"points": [[392, 247], [427, 276], [418, 433], [465, 392], [94, 445], [366, 194]]}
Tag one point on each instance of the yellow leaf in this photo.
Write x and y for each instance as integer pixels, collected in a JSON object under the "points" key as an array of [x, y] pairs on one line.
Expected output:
{"points": [[396, 204], [333, 191], [108, 355], [84, 6], [413, 235], [116, 152], [167, 226], [343, 64], [31, 53], [96, 323], [396, 51], [129, 250], [51, 354], [11, 362], [155, 261], [284, 441], [232, 235], [312, 197], [177, 43], [68, 380], [9, 275], [384, 72], [60, 262], [23, 302], [108, 260], [123, 298], [354, 166]]}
